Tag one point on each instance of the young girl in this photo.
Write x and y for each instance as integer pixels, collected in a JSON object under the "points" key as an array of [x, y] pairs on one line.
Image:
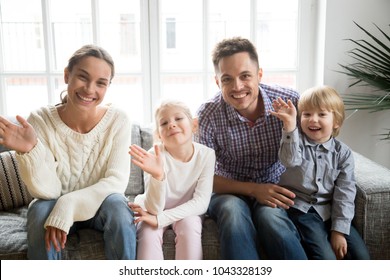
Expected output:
{"points": [[178, 185]]}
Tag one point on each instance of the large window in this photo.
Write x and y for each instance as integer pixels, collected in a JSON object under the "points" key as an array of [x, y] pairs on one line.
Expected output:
{"points": [[162, 49]]}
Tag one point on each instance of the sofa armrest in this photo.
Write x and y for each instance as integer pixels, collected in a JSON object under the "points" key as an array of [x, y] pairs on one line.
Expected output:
{"points": [[372, 210]]}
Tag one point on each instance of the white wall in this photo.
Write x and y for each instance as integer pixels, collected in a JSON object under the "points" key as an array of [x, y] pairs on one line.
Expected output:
{"points": [[361, 130]]}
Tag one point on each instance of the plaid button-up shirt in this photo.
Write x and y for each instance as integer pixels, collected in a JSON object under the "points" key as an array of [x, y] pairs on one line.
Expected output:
{"points": [[245, 152]]}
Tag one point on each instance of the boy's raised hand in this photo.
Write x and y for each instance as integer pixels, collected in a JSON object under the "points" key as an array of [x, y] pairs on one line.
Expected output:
{"points": [[150, 163], [286, 112]]}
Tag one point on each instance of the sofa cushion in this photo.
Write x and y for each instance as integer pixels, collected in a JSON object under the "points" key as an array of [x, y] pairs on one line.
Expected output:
{"points": [[13, 192], [13, 234], [86, 244], [135, 184], [143, 138], [147, 138]]}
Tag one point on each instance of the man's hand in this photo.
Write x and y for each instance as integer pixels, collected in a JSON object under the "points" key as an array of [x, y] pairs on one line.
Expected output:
{"points": [[268, 194], [273, 195]]}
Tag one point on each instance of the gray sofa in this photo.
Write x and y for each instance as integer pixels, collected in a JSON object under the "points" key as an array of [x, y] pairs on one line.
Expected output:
{"points": [[372, 217]]}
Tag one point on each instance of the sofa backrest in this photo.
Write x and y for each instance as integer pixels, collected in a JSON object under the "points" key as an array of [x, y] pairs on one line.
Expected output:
{"points": [[143, 137]]}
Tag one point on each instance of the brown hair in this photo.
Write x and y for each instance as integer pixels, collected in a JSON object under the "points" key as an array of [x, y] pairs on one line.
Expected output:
{"points": [[87, 51], [228, 47], [323, 97]]}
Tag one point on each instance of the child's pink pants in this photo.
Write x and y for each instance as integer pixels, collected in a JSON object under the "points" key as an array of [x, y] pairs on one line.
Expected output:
{"points": [[188, 240]]}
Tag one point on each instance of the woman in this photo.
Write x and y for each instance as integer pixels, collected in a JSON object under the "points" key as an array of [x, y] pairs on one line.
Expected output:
{"points": [[73, 160]]}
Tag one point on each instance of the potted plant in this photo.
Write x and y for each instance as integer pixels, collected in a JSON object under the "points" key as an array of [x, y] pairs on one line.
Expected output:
{"points": [[370, 67]]}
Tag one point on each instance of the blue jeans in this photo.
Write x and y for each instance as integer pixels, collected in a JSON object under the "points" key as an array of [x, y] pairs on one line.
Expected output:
{"points": [[248, 230], [315, 234], [114, 218]]}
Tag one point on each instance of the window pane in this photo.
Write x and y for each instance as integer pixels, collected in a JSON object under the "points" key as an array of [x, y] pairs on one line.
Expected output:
{"points": [[181, 30], [171, 33], [120, 33], [186, 88], [22, 28], [277, 35], [24, 94], [126, 92], [228, 18], [277, 40], [188, 31], [212, 87], [283, 79], [71, 28], [59, 87]]}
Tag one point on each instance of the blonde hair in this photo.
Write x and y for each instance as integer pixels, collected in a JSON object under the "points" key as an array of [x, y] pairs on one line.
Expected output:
{"points": [[170, 104], [323, 97]]}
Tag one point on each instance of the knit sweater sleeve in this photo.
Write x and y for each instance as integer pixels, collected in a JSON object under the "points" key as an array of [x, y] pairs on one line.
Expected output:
{"points": [[38, 167]]}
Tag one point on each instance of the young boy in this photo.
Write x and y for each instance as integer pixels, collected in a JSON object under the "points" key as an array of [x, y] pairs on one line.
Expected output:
{"points": [[320, 171]]}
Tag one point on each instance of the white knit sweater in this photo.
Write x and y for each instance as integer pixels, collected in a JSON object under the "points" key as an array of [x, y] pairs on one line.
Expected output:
{"points": [[80, 170]]}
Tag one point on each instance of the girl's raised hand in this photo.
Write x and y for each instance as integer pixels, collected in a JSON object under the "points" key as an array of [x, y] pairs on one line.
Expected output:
{"points": [[150, 163]]}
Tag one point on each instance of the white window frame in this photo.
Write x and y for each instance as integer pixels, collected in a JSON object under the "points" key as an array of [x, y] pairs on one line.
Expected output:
{"points": [[150, 50]]}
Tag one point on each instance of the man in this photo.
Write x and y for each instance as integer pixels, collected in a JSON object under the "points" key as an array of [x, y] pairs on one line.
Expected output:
{"points": [[247, 205]]}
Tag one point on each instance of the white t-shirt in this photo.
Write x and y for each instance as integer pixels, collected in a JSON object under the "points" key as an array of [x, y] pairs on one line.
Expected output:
{"points": [[186, 189]]}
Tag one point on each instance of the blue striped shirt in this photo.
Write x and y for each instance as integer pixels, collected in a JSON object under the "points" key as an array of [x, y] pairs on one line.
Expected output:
{"points": [[244, 152]]}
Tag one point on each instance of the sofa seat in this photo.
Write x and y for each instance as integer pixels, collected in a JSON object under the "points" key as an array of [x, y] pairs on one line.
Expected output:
{"points": [[13, 235], [85, 244]]}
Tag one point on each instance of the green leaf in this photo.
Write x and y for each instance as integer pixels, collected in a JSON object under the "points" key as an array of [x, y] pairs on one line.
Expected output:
{"points": [[370, 67]]}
